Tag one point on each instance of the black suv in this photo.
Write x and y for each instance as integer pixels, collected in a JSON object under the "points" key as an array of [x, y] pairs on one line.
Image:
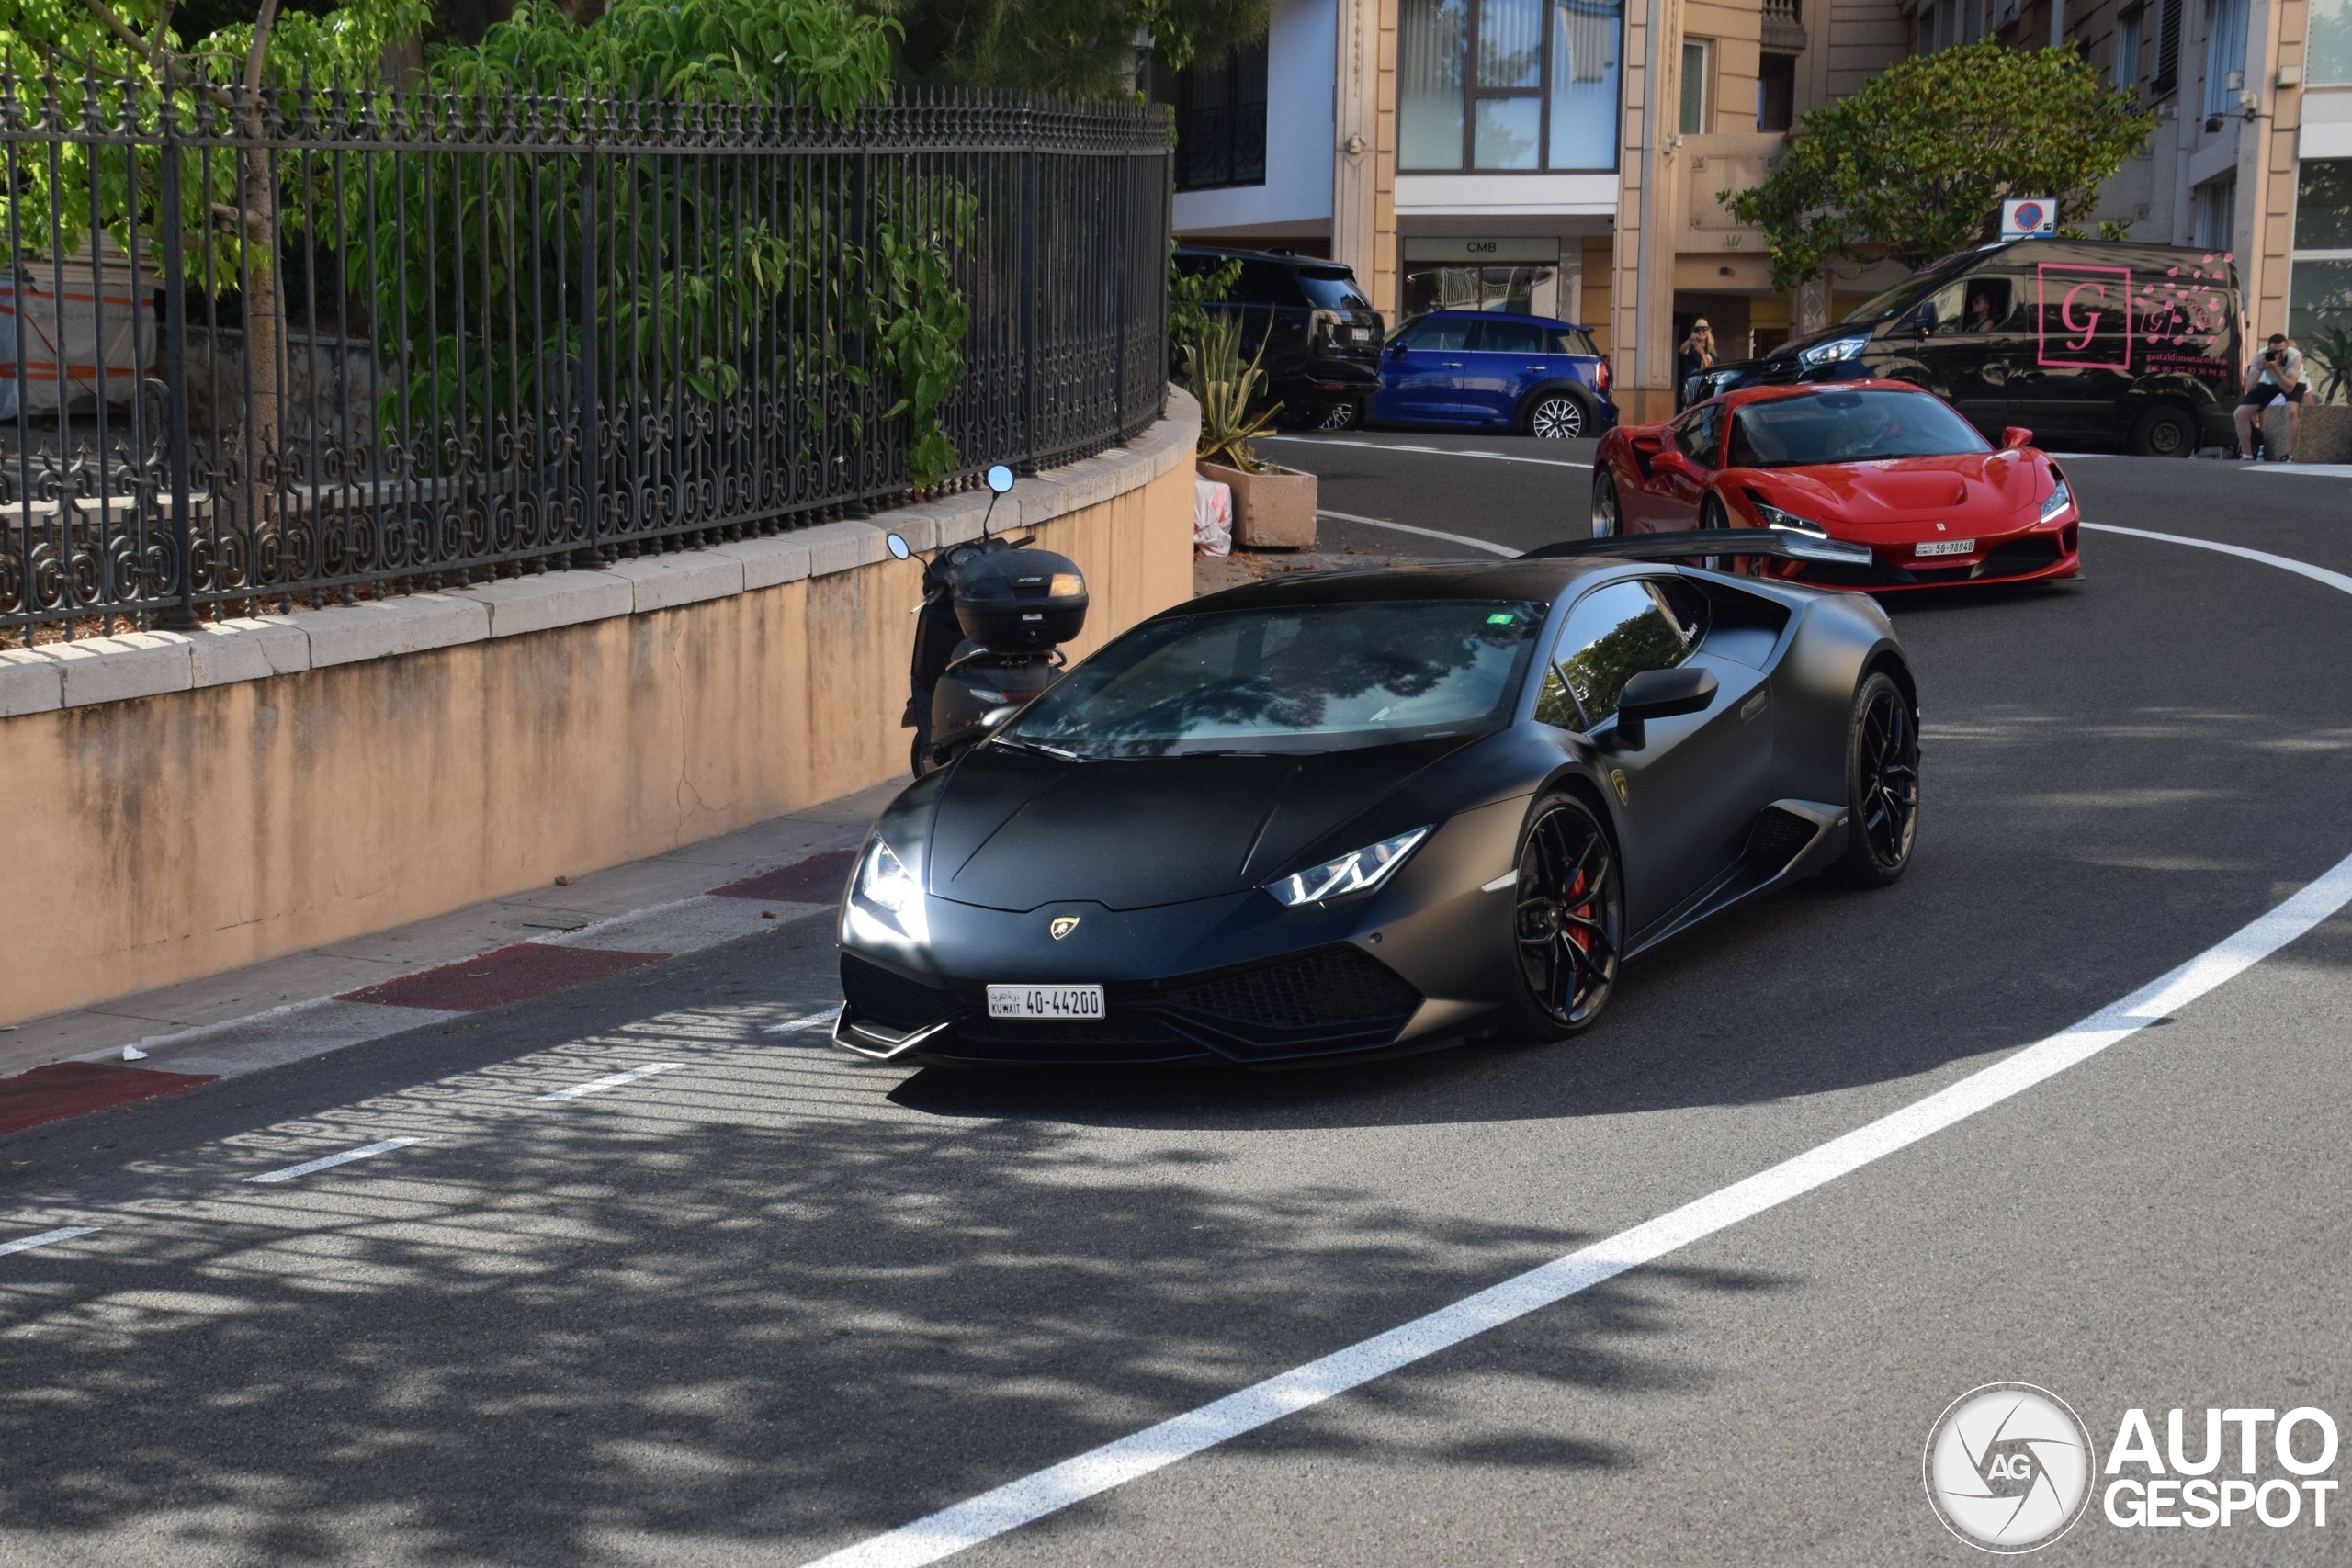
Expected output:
{"points": [[1321, 336]]}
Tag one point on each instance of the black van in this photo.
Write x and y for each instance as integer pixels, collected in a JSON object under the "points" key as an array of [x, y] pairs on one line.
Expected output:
{"points": [[1322, 338], [2087, 344]]}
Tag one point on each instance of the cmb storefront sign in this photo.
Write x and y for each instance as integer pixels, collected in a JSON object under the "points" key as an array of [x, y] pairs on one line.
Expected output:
{"points": [[1518, 250]]}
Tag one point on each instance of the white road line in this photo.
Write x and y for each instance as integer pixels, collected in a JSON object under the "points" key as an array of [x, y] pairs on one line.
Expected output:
{"points": [[2301, 568], [1425, 533], [26, 1243], [1022, 1502], [615, 1080], [801, 1025], [1428, 451], [330, 1161]]}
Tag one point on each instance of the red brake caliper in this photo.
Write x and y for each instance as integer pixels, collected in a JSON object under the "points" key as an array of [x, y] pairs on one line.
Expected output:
{"points": [[1582, 938]]}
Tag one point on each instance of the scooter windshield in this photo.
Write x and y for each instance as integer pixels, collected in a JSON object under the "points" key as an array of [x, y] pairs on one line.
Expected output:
{"points": [[1290, 679]]}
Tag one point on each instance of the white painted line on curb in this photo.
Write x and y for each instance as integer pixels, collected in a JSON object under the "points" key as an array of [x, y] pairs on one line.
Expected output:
{"points": [[801, 1025], [1428, 451], [26, 1243], [1424, 533], [1032, 1497], [598, 1085], [329, 1162]]}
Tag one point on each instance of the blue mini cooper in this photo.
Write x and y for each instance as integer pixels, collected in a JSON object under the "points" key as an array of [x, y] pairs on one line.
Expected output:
{"points": [[1483, 369]]}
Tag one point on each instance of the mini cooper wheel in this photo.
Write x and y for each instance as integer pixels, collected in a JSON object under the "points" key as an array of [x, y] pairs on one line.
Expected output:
{"points": [[1604, 505], [1567, 923], [1556, 416], [1882, 784]]}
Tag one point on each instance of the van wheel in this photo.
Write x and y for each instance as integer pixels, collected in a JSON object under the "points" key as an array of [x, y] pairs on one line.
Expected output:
{"points": [[2165, 430]]}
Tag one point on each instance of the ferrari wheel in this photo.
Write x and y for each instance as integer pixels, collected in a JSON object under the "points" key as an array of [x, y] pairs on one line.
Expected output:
{"points": [[1883, 785], [1604, 505], [1567, 923], [1711, 515]]}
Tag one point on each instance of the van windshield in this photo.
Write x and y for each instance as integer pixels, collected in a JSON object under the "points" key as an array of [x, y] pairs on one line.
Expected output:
{"points": [[1912, 289]]}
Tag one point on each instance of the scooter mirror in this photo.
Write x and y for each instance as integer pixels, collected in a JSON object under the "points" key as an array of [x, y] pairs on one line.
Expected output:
{"points": [[898, 547], [1000, 478]]}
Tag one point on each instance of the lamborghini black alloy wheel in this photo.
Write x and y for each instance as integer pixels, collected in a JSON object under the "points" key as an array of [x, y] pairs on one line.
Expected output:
{"points": [[1569, 917], [1890, 793]]}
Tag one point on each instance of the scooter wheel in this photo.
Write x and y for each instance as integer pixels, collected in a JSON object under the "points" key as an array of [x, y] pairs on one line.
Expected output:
{"points": [[919, 758]]}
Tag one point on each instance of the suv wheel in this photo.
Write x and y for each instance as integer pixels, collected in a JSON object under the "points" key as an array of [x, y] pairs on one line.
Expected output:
{"points": [[1338, 416], [1556, 416]]}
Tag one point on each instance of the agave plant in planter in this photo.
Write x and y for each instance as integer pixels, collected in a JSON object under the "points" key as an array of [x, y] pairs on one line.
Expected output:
{"points": [[2324, 430], [1274, 507]]}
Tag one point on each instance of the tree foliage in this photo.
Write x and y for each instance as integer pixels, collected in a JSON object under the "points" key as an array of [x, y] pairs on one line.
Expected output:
{"points": [[1084, 48], [1915, 165]]}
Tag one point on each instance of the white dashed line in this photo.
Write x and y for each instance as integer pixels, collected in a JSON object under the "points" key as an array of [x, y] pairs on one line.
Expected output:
{"points": [[330, 1161], [1424, 533], [1428, 451], [801, 1025], [598, 1085], [26, 1243]]}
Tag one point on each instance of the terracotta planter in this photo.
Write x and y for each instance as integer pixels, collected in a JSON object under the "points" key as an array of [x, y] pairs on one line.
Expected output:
{"points": [[1272, 511], [2325, 435]]}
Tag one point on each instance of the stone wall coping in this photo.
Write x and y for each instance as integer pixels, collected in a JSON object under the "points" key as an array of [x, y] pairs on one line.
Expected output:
{"points": [[146, 664]]}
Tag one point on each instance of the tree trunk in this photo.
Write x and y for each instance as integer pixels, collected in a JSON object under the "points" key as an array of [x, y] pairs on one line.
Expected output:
{"points": [[257, 198]]}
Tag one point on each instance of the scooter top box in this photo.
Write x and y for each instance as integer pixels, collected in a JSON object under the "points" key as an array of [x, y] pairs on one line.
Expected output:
{"points": [[1020, 600]]}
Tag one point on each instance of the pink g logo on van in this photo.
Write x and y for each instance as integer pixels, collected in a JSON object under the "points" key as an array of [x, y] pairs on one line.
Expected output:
{"points": [[2085, 317]]}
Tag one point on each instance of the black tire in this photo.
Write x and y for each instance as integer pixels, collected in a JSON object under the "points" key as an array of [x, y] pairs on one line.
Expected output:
{"points": [[1556, 416], [1567, 921], [1882, 785], [2165, 430], [1340, 416], [918, 757], [1711, 515], [1606, 519]]}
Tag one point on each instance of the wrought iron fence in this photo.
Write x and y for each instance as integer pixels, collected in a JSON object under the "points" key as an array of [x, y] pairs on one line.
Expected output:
{"points": [[257, 353]]}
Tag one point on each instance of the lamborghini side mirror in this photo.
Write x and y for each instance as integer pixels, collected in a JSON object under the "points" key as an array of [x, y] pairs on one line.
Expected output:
{"points": [[1661, 693]]}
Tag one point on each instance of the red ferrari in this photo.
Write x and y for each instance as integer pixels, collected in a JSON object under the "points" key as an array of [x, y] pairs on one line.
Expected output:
{"points": [[1883, 464]]}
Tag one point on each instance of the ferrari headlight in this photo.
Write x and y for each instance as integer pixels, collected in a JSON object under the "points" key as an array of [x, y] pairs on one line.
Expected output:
{"points": [[884, 881], [1787, 521], [2060, 503], [1355, 871], [1836, 349]]}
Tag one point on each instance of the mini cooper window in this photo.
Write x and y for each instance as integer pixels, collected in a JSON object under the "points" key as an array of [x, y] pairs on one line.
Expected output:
{"points": [[1849, 426], [1611, 636], [1297, 678]]}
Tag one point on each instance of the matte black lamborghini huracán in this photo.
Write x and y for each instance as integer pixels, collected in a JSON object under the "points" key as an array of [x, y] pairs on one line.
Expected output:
{"points": [[1362, 812]]}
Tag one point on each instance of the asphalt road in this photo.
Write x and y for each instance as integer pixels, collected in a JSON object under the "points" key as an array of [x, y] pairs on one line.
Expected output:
{"points": [[767, 1305]]}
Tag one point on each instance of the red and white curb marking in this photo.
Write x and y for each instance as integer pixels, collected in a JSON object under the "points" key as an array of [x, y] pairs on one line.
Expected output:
{"points": [[525, 971]]}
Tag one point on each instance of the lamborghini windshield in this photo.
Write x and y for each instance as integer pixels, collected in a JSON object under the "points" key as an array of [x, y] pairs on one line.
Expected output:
{"points": [[1297, 678], [1847, 427]]}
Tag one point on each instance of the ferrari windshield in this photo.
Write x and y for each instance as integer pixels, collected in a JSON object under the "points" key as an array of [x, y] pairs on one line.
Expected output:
{"points": [[1847, 427], [1293, 678]]}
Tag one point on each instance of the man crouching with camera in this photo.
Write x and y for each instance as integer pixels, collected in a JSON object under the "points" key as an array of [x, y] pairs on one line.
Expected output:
{"points": [[2276, 376]]}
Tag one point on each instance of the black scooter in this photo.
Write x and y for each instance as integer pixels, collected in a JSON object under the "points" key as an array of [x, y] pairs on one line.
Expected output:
{"points": [[992, 616]]}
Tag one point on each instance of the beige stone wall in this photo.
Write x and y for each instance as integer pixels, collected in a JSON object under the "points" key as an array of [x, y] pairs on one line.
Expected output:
{"points": [[174, 836]]}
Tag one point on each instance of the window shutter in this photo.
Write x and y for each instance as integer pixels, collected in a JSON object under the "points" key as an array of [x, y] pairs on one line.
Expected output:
{"points": [[2168, 47]]}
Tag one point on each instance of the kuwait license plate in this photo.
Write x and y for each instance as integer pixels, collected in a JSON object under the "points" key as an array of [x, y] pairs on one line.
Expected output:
{"points": [[1945, 548], [1045, 1002], [1361, 335]]}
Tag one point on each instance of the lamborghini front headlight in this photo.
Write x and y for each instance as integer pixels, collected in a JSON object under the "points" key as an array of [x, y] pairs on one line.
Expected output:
{"points": [[1358, 871]]}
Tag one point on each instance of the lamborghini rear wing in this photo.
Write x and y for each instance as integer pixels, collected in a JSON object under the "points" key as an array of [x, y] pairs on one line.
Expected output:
{"points": [[1784, 544]]}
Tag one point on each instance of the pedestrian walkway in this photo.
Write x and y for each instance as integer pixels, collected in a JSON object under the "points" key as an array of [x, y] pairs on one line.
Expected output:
{"points": [[484, 956]]}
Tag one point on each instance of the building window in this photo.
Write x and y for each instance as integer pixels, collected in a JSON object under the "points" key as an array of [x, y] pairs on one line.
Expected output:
{"points": [[2167, 77], [1221, 121], [2224, 55], [1698, 86], [1508, 85], [2214, 213], [2329, 49], [1776, 91], [2319, 287], [2128, 27]]}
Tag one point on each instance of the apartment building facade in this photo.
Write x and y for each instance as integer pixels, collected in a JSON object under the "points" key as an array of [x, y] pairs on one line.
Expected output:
{"points": [[2253, 150], [1559, 156]]}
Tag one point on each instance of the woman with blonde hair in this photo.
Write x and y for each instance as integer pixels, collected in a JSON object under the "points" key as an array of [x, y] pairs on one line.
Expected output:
{"points": [[1697, 353]]}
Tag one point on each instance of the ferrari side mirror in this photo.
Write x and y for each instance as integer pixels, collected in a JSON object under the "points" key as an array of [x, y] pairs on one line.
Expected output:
{"points": [[1661, 693], [2015, 436]]}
